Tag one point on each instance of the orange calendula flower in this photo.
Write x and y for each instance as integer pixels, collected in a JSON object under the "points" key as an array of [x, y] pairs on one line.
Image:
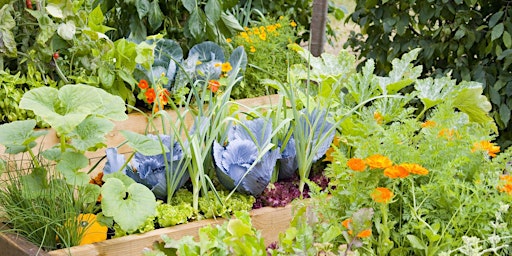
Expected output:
{"points": [[378, 161], [448, 133], [92, 230], [506, 185], [356, 164], [346, 223], [365, 233], [226, 67], [213, 85], [415, 168], [381, 195], [330, 150], [396, 171], [143, 84], [150, 95], [378, 117], [488, 146], [428, 123]]}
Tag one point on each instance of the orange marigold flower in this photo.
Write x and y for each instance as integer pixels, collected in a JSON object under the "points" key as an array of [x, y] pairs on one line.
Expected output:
{"points": [[396, 171], [428, 123], [365, 233], [378, 117], [213, 85], [488, 146], [381, 195], [143, 84], [226, 67], [415, 168], [150, 95], [356, 164], [378, 161]]}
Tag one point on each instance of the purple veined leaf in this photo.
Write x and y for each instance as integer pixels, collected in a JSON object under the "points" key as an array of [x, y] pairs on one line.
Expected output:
{"points": [[288, 164], [316, 122], [234, 160], [260, 128], [114, 161]]}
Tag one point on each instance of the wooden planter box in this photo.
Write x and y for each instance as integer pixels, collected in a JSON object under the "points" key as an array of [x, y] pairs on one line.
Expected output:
{"points": [[270, 221]]}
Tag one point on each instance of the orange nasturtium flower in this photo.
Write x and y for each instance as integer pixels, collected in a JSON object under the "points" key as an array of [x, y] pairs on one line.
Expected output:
{"points": [[378, 162], [143, 84], [488, 146], [150, 95], [213, 85], [415, 168], [92, 230], [164, 96], [363, 234], [346, 222], [396, 171], [382, 195], [356, 164]]}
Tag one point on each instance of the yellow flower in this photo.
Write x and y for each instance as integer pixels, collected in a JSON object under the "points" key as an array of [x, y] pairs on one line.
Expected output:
{"points": [[92, 230], [198, 62], [381, 195], [229, 40], [378, 117], [378, 161], [428, 123], [226, 67], [293, 24], [253, 49], [488, 146]]}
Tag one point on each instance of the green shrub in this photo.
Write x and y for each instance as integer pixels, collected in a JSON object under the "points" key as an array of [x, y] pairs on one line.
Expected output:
{"points": [[267, 54], [469, 39]]}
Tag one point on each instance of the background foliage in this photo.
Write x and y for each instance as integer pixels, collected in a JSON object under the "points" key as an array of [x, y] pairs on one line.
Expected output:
{"points": [[469, 39]]}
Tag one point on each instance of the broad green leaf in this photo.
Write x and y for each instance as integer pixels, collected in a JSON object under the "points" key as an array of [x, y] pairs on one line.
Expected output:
{"points": [[497, 31], [69, 166], [95, 21], [331, 234], [55, 10], [196, 24], [67, 30], [434, 91], [190, 5], [402, 69], [130, 206], [213, 10], [106, 76], [238, 228], [90, 134], [20, 133], [143, 144], [34, 183], [495, 18], [142, 7], [156, 17], [416, 242], [469, 99], [66, 108], [507, 40], [7, 42], [127, 181], [231, 22]]}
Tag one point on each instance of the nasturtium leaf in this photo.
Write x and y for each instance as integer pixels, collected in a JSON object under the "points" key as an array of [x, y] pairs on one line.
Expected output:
{"points": [[144, 144], [130, 206], [69, 166]]}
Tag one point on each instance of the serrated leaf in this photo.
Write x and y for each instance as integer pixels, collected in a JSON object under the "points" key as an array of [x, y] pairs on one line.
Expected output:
{"points": [[90, 134], [143, 144], [19, 136], [129, 206]]}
